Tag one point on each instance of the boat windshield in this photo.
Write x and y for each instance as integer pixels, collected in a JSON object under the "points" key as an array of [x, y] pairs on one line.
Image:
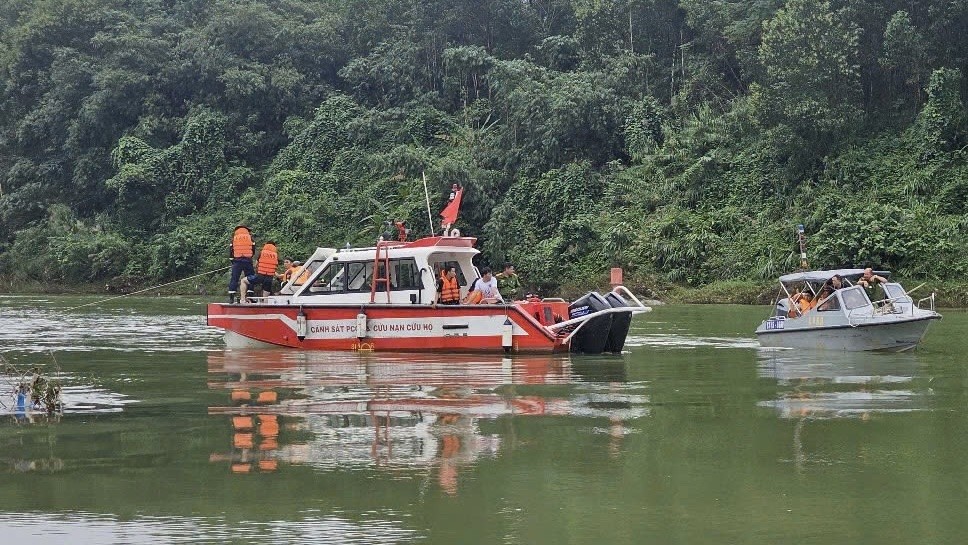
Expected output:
{"points": [[895, 291], [854, 298]]}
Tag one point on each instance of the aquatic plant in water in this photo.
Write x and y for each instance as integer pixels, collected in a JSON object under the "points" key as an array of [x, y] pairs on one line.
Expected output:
{"points": [[31, 388]]}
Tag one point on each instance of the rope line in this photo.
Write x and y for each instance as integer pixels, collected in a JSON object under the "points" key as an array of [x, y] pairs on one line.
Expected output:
{"points": [[147, 289]]}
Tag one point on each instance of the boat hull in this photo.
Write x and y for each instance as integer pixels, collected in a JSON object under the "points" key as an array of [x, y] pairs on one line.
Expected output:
{"points": [[897, 335], [397, 328]]}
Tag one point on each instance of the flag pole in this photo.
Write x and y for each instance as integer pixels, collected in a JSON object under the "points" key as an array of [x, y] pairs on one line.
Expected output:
{"points": [[430, 217]]}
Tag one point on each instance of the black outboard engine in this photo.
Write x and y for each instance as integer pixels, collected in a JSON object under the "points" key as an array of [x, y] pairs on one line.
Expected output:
{"points": [[621, 322], [592, 336]]}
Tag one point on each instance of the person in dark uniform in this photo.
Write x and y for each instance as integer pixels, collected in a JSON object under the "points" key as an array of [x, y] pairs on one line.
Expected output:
{"points": [[241, 251]]}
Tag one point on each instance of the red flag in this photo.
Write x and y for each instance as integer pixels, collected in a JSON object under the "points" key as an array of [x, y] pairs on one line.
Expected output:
{"points": [[449, 214]]}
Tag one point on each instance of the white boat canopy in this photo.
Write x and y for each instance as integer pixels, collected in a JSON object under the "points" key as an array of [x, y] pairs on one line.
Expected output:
{"points": [[824, 276]]}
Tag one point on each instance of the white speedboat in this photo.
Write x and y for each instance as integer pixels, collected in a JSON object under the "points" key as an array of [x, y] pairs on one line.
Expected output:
{"points": [[845, 318]]}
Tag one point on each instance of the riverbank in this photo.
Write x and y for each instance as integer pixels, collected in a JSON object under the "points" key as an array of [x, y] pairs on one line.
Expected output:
{"points": [[737, 292]]}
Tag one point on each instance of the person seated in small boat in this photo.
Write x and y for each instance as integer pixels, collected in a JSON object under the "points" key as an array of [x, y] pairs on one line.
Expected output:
{"points": [[806, 302], [837, 282], [869, 279], [824, 301], [484, 290], [448, 290], [802, 301]]}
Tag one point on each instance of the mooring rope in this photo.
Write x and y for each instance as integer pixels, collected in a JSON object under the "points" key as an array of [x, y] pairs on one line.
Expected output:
{"points": [[148, 289]]}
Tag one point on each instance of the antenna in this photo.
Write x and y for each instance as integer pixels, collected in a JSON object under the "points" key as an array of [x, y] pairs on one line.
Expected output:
{"points": [[802, 238], [430, 217]]}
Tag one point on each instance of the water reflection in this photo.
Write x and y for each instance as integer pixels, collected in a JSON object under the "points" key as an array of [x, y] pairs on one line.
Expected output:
{"points": [[329, 410], [76, 398], [306, 527], [840, 384], [51, 327]]}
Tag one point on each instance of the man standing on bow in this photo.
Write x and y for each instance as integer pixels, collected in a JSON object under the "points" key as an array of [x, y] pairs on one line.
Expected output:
{"points": [[240, 253]]}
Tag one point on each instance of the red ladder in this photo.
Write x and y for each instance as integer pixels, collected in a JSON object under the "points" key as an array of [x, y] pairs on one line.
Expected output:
{"points": [[376, 271]]}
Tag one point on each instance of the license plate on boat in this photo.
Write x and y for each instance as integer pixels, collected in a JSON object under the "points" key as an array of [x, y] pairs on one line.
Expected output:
{"points": [[775, 323]]}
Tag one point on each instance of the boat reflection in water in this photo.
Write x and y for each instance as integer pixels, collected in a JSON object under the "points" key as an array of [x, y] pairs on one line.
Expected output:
{"points": [[345, 410], [817, 384], [837, 391]]}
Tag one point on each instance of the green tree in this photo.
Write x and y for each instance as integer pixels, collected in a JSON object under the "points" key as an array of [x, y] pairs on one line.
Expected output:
{"points": [[811, 78]]}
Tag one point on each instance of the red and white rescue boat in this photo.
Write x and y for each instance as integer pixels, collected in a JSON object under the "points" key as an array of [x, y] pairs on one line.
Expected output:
{"points": [[345, 305]]}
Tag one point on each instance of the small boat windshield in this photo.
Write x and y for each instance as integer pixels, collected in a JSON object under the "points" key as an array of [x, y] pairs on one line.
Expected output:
{"points": [[854, 298], [895, 292]]}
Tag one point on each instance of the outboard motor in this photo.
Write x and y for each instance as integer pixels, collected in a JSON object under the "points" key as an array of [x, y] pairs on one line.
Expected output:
{"points": [[621, 322], [592, 336]]}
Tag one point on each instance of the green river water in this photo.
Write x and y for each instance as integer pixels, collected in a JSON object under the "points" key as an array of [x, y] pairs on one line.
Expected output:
{"points": [[694, 435]]}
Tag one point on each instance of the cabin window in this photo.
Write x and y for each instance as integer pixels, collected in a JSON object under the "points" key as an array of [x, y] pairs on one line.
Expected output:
{"points": [[358, 275], [331, 280], [831, 303], [854, 298], [895, 291], [406, 275]]}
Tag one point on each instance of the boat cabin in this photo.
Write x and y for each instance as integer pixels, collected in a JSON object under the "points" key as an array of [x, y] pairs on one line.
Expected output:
{"points": [[396, 273], [811, 292]]}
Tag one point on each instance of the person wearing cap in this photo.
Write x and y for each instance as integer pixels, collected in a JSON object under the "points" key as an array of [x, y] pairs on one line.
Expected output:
{"points": [[241, 251]]}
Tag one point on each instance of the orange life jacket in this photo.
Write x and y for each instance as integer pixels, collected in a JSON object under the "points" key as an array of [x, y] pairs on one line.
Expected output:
{"points": [[242, 245], [287, 276], [474, 297], [268, 260], [449, 290]]}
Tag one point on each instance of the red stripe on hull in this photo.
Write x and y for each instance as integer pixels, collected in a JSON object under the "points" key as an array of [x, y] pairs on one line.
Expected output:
{"points": [[394, 328]]}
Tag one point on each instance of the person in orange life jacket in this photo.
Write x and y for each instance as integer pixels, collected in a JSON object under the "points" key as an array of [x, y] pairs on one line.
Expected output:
{"points": [[286, 273], [290, 269], [241, 251], [261, 281], [302, 276], [448, 291]]}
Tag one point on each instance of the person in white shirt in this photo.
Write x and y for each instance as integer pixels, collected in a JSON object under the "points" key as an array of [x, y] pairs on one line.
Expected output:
{"points": [[486, 286]]}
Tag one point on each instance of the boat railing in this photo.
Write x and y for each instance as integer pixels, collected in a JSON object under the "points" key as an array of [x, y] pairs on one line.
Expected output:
{"points": [[929, 299], [580, 321], [886, 306], [619, 290]]}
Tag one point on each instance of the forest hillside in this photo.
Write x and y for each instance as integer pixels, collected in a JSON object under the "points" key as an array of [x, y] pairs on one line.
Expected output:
{"points": [[681, 139]]}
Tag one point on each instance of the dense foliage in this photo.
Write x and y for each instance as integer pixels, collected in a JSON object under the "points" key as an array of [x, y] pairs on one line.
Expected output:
{"points": [[683, 140]]}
